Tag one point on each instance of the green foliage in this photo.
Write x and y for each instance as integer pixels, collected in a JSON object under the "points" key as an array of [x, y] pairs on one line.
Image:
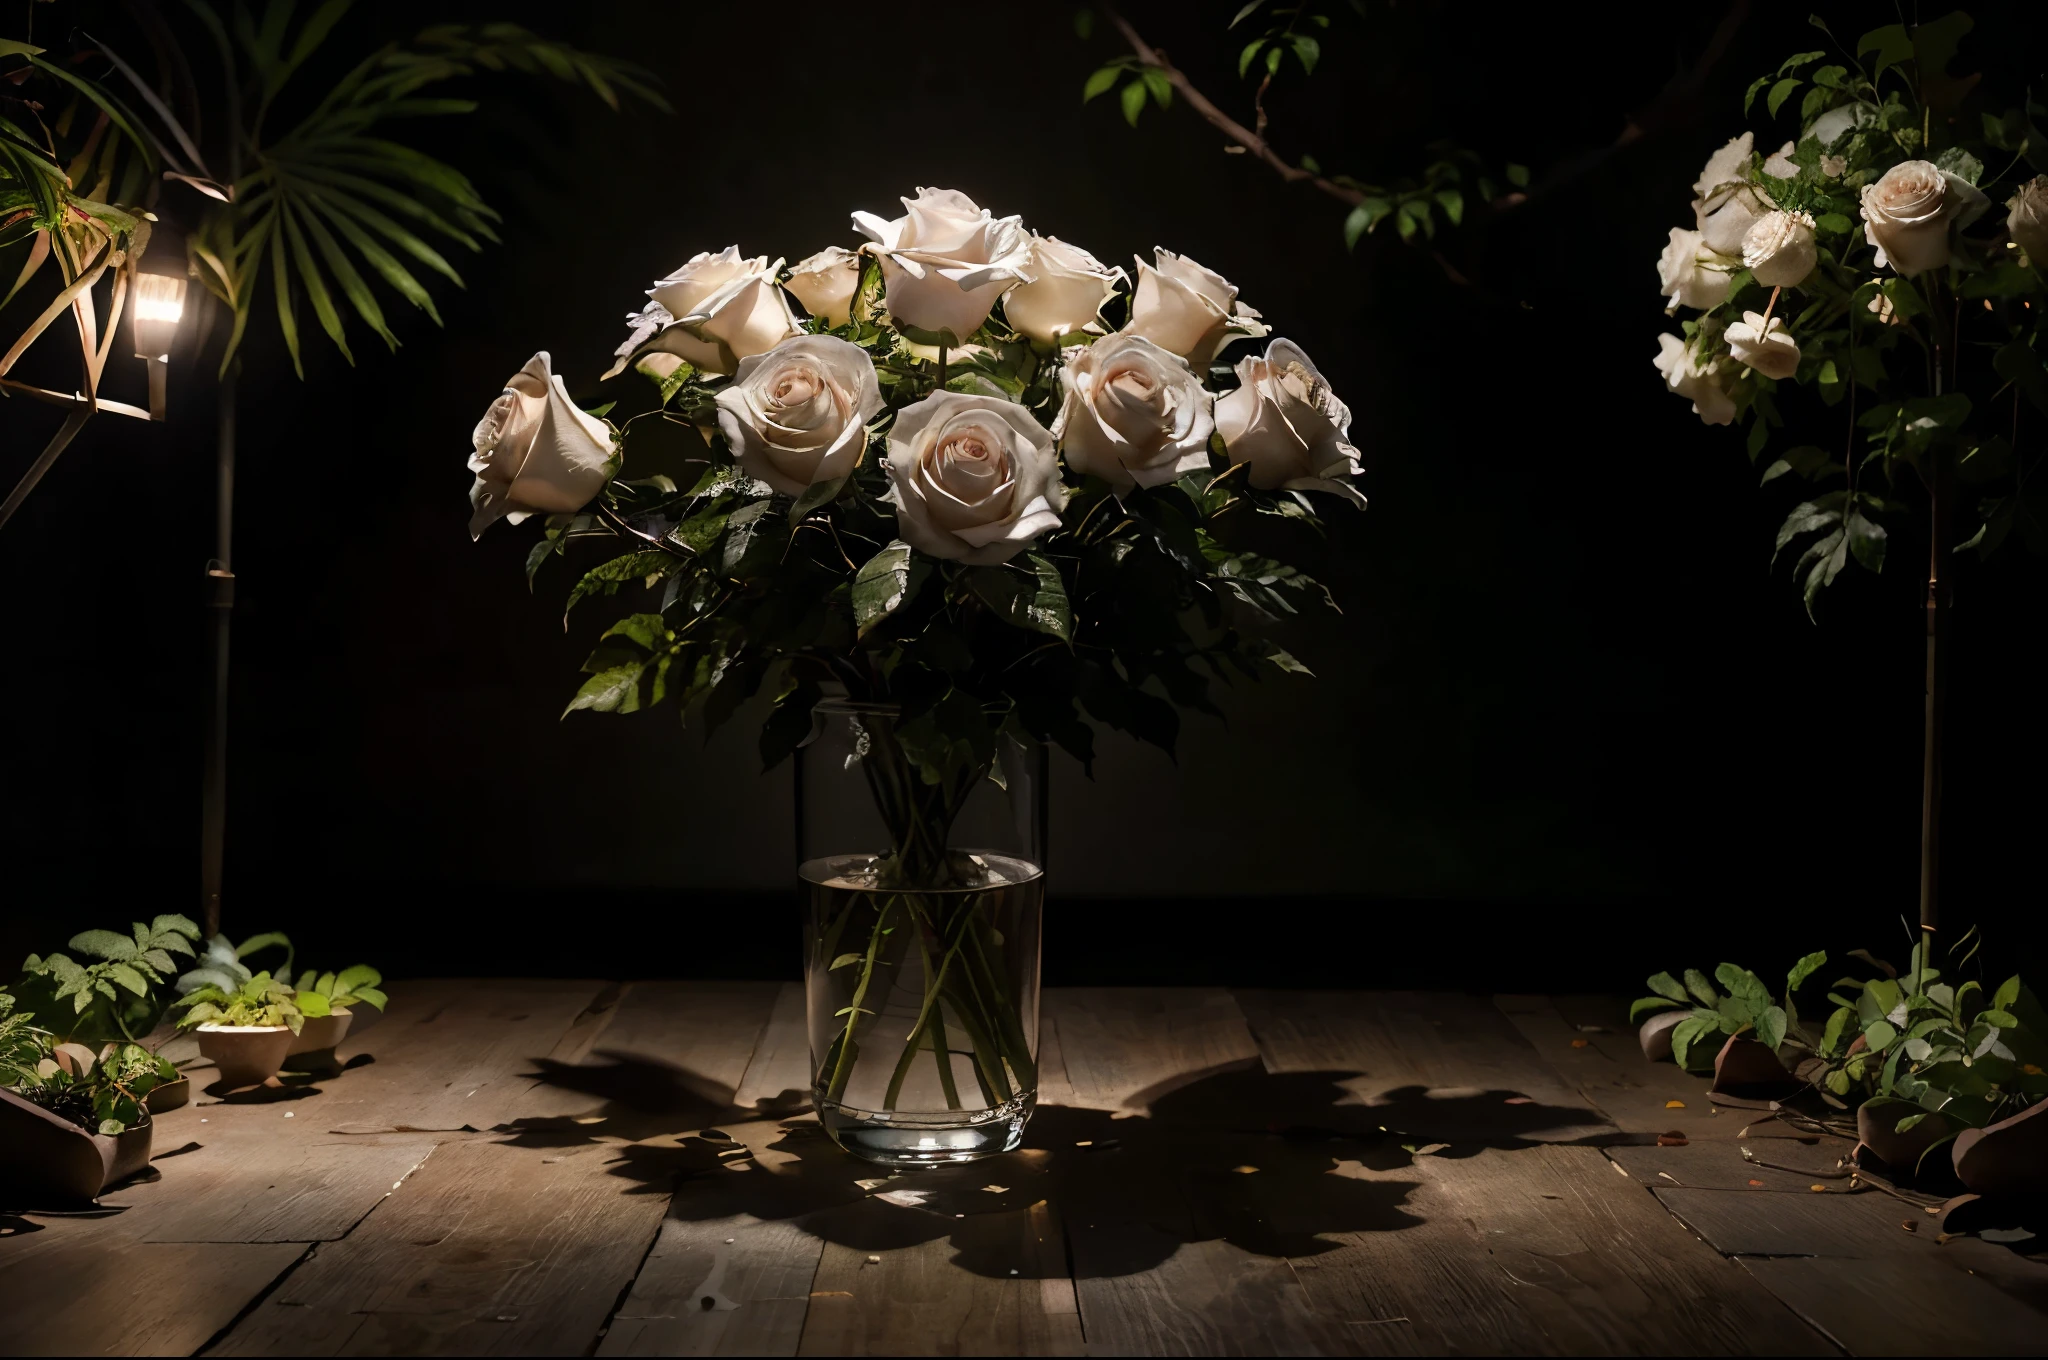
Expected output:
{"points": [[330, 202], [1132, 608], [1747, 1008], [119, 992], [101, 1091], [1882, 403], [259, 1001], [1938, 1044], [222, 970]]}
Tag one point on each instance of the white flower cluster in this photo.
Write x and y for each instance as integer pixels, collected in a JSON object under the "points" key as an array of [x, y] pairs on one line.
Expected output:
{"points": [[1910, 215], [973, 478]]}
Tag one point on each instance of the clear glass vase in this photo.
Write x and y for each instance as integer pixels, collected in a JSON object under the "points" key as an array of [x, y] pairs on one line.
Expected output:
{"points": [[922, 868]]}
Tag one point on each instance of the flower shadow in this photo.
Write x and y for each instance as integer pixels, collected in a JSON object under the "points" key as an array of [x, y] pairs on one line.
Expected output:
{"points": [[1279, 1165]]}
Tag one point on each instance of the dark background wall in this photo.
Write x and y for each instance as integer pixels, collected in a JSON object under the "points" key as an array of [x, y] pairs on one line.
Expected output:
{"points": [[1568, 729]]}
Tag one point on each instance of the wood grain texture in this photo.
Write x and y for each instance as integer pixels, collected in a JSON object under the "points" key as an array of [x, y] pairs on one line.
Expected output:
{"points": [[778, 1077], [259, 1185], [452, 1054], [1545, 1250], [1898, 1305], [995, 1284], [1784, 1164], [1434, 1064], [1151, 1201], [1123, 1045], [90, 1287], [719, 1281], [1609, 1071], [1832, 1223], [491, 1248]]}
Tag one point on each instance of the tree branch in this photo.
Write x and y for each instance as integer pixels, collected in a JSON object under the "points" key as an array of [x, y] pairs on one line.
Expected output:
{"points": [[1230, 127], [1668, 109]]}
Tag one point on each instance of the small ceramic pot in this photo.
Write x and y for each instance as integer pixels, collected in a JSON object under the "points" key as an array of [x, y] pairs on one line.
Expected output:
{"points": [[2006, 1158], [245, 1054], [168, 1096], [1655, 1035], [46, 1159], [1877, 1128], [313, 1049]]}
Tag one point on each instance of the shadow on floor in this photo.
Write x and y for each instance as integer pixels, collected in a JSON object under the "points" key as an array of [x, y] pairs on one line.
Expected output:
{"points": [[1269, 1163]]}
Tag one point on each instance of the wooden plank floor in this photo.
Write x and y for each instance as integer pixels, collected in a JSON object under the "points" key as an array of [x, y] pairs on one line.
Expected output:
{"points": [[627, 1169]]}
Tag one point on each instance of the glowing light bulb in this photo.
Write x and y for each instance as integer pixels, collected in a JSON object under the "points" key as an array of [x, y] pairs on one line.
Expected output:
{"points": [[159, 306]]}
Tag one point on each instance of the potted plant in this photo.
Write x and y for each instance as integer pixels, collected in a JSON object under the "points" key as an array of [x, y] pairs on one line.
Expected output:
{"points": [[72, 1120], [326, 1001], [245, 1031], [121, 989]]}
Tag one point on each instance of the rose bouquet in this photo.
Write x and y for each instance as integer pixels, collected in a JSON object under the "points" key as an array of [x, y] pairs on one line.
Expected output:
{"points": [[1862, 306], [981, 488]]}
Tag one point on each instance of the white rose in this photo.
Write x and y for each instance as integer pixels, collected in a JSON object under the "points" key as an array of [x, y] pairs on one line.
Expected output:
{"points": [[1690, 274], [974, 479], [1725, 165], [1778, 249], [1134, 414], [537, 452], [1907, 215], [2027, 223], [1829, 127], [1764, 346], [1064, 294], [1285, 422], [1726, 215], [798, 414], [713, 312], [825, 284], [1180, 306], [1679, 364], [1779, 162], [946, 260]]}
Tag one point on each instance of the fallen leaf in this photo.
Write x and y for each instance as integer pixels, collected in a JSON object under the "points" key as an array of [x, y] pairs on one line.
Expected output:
{"points": [[1428, 1149], [1817, 1188], [1518, 1100], [2031, 1069], [1758, 1184], [1244, 1170], [1671, 1140], [1580, 1043], [1674, 1104], [1910, 1225], [997, 1189]]}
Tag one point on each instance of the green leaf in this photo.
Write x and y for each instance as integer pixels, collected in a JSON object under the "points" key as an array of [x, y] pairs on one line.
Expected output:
{"points": [[1832, 1035], [1702, 990], [314, 1004], [614, 689], [1133, 97], [884, 583], [753, 541], [1866, 540], [1780, 92], [1664, 985], [1084, 23], [842, 961], [1101, 82], [1890, 43], [1961, 164], [1879, 1035], [648, 630], [1518, 175], [1244, 13], [1156, 83], [1770, 1027], [1309, 51], [1453, 204], [1649, 1003], [815, 495], [105, 944], [274, 939], [1803, 970], [1035, 598], [1244, 58]]}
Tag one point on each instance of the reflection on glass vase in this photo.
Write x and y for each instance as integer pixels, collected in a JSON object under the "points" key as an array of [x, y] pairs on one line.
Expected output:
{"points": [[922, 873]]}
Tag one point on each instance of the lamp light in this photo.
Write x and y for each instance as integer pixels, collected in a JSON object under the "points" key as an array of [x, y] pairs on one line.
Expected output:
{"points": [[159, 307]]}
